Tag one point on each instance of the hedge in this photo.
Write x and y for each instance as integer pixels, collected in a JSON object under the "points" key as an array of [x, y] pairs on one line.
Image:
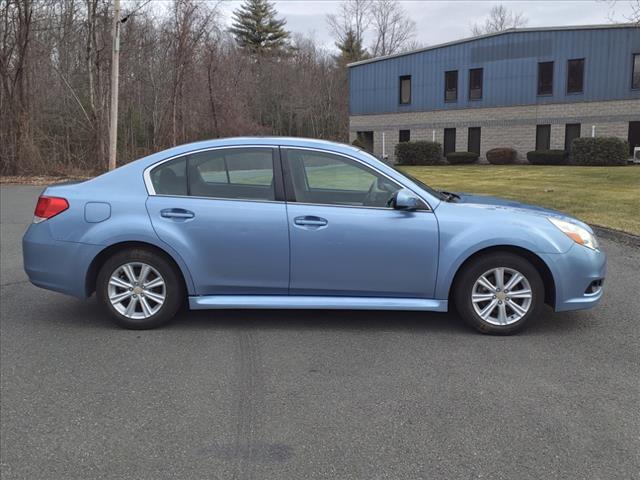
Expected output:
{"points": [[501, 156], [457, 158], [547, 157], [600, 151], [418, 153]]}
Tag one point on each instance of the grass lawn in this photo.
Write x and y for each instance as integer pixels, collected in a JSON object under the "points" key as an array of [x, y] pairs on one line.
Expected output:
{"points": [[607, 196]]}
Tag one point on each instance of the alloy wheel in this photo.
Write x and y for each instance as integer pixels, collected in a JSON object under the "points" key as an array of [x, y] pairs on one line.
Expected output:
{"points": [[136, 290], [501, 296]]}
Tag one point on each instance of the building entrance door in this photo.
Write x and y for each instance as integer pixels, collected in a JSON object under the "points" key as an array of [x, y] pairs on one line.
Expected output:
{"points": [[634, 136], [366, 138]]}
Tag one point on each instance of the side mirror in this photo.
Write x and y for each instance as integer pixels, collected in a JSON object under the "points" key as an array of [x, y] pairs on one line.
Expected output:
{"points": [[405, 200]]}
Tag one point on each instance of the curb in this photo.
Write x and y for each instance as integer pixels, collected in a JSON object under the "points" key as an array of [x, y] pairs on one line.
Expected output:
{"points": [[617, 235]]}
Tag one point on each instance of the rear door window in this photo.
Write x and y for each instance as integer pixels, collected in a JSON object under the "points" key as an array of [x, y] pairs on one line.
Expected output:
{"points": [[242, 173]]}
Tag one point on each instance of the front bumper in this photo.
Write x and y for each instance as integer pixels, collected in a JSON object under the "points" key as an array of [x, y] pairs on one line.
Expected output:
{"points": [[56, 265], [573, 273]]}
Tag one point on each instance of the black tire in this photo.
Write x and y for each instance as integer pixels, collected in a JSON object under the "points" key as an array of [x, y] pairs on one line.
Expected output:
{"points": [[467, 278], [173, 290]]}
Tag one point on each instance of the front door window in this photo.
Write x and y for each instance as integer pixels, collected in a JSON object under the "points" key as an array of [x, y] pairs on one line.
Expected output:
{"points": [[328, 179]]}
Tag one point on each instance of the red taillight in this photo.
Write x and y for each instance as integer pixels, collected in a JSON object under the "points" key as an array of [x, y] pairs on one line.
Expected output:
{"points": [[48, 207]]}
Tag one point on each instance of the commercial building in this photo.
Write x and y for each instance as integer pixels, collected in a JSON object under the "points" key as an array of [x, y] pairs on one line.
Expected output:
{"points": [[526, 88]]}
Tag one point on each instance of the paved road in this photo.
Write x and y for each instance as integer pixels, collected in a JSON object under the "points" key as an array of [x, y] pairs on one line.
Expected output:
{"points": [[293, 394]]}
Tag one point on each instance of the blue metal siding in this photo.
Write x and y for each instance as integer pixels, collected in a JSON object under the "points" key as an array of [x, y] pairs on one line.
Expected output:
{"points": [[510, 64]]}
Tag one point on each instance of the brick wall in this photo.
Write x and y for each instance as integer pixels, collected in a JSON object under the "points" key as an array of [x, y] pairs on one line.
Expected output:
{"points": [[513, 126]]}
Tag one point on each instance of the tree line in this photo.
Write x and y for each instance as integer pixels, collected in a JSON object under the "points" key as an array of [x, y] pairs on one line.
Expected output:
{"points": [[184, 76]]}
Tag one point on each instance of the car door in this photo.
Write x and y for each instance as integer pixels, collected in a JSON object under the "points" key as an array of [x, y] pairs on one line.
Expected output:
{"points": [[344, 238], [222, 210]]}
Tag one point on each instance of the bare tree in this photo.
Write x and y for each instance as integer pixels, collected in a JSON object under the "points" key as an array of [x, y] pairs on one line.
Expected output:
{"points": [[15, 56], [632, 16], [183, 78], [353, 18], [500, 18], [393, 29], [191, 21]]}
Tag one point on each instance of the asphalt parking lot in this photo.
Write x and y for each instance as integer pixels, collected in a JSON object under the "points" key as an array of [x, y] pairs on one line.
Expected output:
{"points": [[298, 394]]}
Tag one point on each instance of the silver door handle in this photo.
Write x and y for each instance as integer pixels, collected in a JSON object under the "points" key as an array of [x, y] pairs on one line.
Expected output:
{"points": [[310, 221], [176, 213]]}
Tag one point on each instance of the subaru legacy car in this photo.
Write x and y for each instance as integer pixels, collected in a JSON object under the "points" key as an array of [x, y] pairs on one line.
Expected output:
{"points": [[307, 224]]}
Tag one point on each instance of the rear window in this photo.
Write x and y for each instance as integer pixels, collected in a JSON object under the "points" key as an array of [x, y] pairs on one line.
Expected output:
{"points": [[170, 178]]}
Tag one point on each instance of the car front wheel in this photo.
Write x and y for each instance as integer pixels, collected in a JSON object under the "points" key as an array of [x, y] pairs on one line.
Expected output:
{"points": [[140, 289], [499, 293]]}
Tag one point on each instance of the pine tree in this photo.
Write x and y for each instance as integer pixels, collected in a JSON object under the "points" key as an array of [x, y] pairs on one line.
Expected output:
{"points": [[351, 49], [256, 28]]}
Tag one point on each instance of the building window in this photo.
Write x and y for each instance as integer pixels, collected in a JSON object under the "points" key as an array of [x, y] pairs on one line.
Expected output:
{"points": [[473, 144], [545, 78], [571, 132], [405, 136], [449, 140], [451, 86], [543, 137], [405, 90], [475, 84], [575, 75], [635, 79]]}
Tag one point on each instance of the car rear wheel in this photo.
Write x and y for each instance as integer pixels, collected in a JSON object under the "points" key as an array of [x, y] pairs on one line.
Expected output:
{"points": [[140, 289], [499, 293]]}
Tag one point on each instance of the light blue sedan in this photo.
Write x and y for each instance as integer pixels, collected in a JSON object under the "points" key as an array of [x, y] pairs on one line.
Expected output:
{"points": [[296, 223]]}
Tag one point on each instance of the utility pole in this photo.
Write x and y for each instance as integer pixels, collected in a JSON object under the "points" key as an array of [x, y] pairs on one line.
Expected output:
{"points": [[115, 71]]}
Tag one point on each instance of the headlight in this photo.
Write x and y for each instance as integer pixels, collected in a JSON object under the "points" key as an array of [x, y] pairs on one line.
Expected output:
{"points": [[576, 233]]}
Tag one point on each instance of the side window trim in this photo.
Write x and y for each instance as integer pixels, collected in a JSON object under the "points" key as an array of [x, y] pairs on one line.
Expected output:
{"points": [[289, 187], [187, 161], [278, 175], [279, 190], [289, 192]]}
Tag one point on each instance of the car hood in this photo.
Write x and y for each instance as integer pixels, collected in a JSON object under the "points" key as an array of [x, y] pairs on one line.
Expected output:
{"points": [[496, 202]]}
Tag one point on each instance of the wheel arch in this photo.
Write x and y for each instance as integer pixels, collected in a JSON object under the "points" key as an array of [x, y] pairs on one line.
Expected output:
{"points": [[106, 253], [538, 263]]}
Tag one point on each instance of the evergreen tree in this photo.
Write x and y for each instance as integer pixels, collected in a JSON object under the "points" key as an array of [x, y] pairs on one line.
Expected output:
{"points": [[256, 28], [350, 49]]}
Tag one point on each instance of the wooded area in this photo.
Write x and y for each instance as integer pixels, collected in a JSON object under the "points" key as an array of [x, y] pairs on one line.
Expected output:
{"points": [[184, 76], [186, 73]]}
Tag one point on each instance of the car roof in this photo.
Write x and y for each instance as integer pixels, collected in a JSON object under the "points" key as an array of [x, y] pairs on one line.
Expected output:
{"points": [[243, 141]]}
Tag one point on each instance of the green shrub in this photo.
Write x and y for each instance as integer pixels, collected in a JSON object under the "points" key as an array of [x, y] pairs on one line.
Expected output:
{"points": [[600, 151], [418, 153], [547, 157], [358, 143], [501, 156], [458, 158]]}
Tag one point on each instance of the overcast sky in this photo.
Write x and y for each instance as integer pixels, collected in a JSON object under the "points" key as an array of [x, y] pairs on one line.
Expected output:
{"points": [[443, 21]]}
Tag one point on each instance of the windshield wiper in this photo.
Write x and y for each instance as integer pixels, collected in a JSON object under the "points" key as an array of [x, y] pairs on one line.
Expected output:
{"points": [[450, 196]]}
